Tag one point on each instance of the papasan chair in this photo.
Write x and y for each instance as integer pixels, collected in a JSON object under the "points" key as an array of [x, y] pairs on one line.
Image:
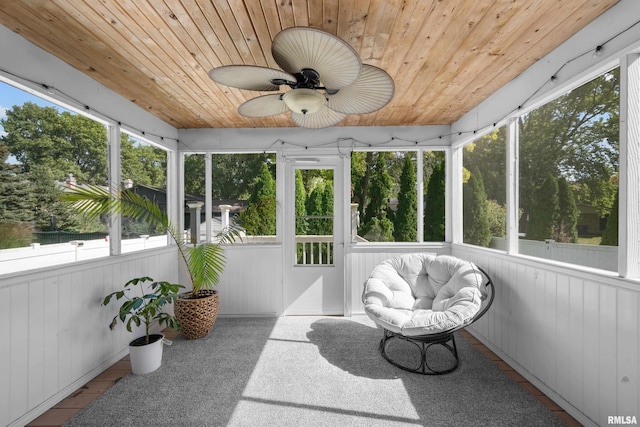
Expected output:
{"points": [[420, 300]]}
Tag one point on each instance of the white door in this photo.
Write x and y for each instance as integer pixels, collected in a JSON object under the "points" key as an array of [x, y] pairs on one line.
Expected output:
{"points": [[314, 246]]}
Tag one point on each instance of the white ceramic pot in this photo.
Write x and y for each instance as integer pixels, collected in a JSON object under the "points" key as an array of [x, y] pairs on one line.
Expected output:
{"points": [[146, 358]]}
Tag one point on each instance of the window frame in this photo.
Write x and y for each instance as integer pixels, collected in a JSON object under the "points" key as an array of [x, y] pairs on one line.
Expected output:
{"points": [[420, 188]]}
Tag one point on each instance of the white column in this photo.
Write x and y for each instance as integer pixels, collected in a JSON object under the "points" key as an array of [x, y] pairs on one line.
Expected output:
{"points": [[208, 209], [512, 186], [629, 173], [355, 221], [225, 209], [453, 202], [115, 178], [179, 201], [194, 221], [420, 191], [174, 194]]}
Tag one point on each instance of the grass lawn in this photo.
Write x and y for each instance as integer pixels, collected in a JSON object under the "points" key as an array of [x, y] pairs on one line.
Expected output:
{"points": [[589, 240]]}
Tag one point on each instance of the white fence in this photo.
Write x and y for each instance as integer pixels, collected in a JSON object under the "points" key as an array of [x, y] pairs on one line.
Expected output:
{"points": [[37, 256], [594, 256]]}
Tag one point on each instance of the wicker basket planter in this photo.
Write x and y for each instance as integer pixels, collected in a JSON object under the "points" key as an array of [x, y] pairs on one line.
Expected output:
{"points": [[197, 315]]}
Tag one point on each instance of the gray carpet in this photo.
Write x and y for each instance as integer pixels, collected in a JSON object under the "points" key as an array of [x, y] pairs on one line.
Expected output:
{"points": [[309, 371]]}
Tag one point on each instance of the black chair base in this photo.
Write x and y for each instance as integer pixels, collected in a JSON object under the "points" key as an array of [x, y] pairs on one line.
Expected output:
{"points": [[423, 343]]}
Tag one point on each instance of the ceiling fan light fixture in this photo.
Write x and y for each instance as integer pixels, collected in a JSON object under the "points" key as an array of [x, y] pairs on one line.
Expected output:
{"points": [[304, 101]]}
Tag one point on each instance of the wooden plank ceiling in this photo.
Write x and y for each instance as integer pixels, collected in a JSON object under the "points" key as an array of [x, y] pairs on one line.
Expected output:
{"points": [[445, 56]]}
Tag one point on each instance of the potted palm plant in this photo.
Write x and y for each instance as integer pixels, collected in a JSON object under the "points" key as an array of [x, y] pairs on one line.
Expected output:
{"points": [[145, 352], [196, 310]]}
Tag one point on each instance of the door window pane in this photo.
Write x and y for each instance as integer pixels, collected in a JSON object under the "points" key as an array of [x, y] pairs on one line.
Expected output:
{"points": [[314, 216]]}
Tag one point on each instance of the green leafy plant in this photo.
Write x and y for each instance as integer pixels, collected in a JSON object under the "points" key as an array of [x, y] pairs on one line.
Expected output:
{"points": [[145, 308], [204, 262]]}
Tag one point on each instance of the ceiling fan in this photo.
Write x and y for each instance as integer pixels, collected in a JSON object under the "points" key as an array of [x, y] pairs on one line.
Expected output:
{"points": [[326, 80]]}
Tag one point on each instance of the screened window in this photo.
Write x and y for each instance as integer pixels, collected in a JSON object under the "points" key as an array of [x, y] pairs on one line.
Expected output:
{"points": [[484, 190], [43, 149], [568, 181], [387, 190], [243, 191], [434, 172], [144, 171]]}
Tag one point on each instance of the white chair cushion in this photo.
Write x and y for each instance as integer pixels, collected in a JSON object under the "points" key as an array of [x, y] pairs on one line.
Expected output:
{"points": [[421, 294]]}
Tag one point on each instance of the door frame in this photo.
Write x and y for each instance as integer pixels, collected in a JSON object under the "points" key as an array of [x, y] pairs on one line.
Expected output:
{"points": [[337, 164]]}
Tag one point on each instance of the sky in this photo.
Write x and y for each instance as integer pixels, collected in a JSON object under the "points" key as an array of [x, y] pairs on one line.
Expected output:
{"points": [[10, 96]]}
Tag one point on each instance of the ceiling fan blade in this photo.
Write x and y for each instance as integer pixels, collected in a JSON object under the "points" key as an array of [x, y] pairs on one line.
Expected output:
{"points": [[300, 47], [250, 77], [370, 92], [263, 106], [322, 118]]}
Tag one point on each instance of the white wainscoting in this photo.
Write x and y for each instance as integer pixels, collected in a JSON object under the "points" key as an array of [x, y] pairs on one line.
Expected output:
{"points": [[56, 332], [573, 334], [251, 284]]}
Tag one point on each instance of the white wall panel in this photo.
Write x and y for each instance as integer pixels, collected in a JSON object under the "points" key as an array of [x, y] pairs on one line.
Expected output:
{"points": [[591, 355], [563, 333], [577, 333], [57, 334], [628, 353], [19, 345], [576, 343], [251, 284], [5, 355], [36, 350], [50, 341], [607, 381]]}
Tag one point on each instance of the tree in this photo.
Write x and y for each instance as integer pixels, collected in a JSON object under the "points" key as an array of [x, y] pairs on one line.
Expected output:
{"points": [[406, 218], [488, 154], [234, 174], [327, 209], [566, 230], [143, 164], [260, 216], [576, 136], [302, 224], [375, 221], [379, 190], [610, 233], [360, 178], [363, 165], [17, 200], [49, 213], [194, 176], [314, 209], [475, 219], [497, 215], [63, 142], [434, 210], [545, 210]]}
